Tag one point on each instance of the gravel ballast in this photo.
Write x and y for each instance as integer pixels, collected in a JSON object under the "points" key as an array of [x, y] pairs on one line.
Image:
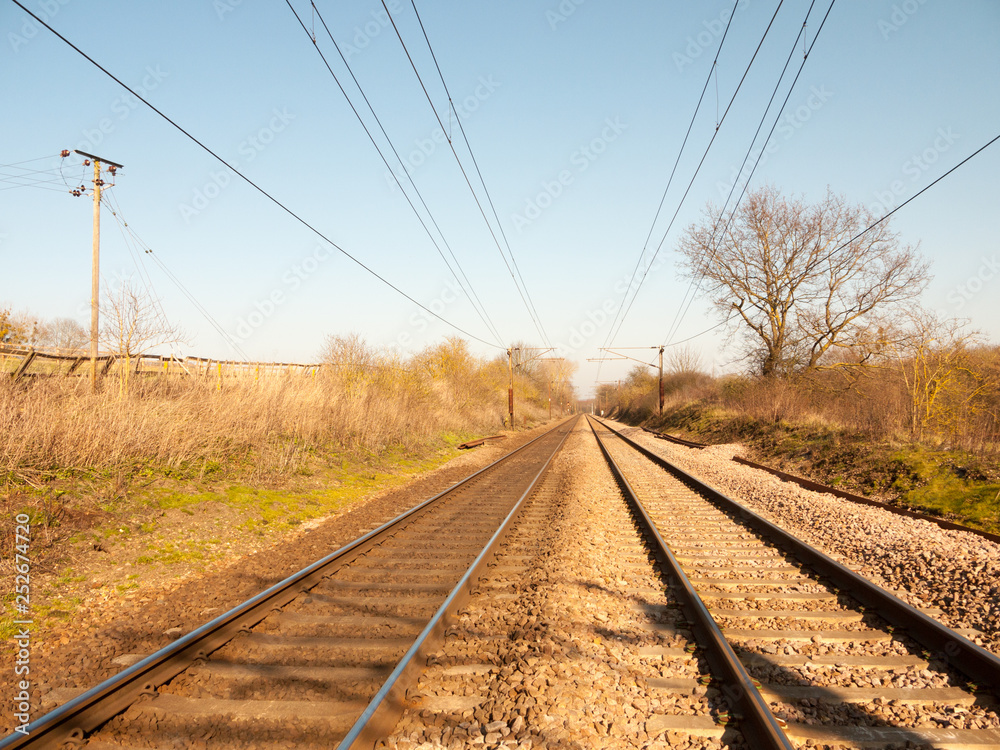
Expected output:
{"points": [[920, 562], [555, 649]]}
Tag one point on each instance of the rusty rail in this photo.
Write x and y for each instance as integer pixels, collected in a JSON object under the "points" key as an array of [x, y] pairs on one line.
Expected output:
{"points": [[479, 441], [674, 439]]}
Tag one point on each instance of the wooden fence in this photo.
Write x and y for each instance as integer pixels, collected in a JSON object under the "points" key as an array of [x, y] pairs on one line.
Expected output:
{"points": [[19, 362]]}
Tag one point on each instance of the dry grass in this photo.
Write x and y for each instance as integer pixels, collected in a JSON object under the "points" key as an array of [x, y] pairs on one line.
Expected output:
{"points": [[955, 404], [51, 427]]}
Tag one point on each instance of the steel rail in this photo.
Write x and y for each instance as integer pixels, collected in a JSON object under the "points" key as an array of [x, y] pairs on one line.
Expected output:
{"points": [[85, 713], [809, 484], [388, 704], [759, 727], [674, 439], [957, 651]]}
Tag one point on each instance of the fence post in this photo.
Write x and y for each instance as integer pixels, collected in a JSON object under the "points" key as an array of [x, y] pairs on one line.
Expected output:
{"points": [[25, 364]]}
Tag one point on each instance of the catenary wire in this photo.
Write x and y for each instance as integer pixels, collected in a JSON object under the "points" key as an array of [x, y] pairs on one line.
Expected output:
{"points": [[694, 176], [693, 287], [473, 297], [673, 171], [475, 163], [525, 296]]}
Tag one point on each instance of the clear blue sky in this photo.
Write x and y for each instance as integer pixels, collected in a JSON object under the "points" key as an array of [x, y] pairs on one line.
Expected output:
{"points": [[578, 105]]}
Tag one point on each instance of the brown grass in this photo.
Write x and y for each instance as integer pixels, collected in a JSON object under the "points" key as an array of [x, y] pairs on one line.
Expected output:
{"points": [[268, 424]]}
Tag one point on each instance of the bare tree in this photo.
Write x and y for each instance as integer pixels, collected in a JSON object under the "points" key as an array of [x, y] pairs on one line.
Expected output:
{"points": [[65, 334], [684, 360], [134, 323], [795, 280]]}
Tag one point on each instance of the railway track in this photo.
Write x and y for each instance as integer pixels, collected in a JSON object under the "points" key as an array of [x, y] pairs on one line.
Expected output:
{"points": [[630, 608], [806, 650], [572, 639], [324, 658]]}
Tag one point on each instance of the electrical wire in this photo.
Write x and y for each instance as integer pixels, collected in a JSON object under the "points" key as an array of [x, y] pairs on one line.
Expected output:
{"points": [[475, 163], [136, 249], [473, 297], [911, 198], [251, 183], [521, 288], [20, 176], [147, 250], [673, 171], [888, 214]]}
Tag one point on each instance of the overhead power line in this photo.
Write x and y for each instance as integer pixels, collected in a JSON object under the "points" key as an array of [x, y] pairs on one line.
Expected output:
{"points": [[623, 310], [147, 281], [475, 163], [692, 290], [250, 182], [514, 272], [472, 297], [912, 197]]}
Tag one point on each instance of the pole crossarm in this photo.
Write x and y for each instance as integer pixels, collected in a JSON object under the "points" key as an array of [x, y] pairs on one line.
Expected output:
{"points": [[625, 356], [99, 158]]}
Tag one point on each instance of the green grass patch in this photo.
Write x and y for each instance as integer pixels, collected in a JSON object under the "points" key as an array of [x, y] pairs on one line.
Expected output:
{"points": [[346, 479], [172, 554]]}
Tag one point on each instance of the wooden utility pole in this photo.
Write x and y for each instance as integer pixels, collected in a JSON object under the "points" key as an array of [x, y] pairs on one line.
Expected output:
{"points": [[660, 411], [510, 370], [510, 390], [95, 267], [550, 399]]}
